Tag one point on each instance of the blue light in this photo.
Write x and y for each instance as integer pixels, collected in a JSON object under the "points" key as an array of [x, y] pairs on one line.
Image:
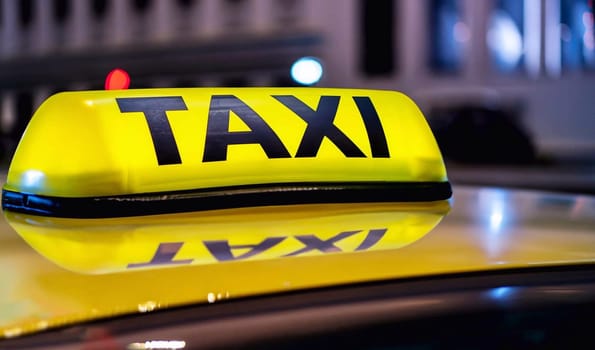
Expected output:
{"points": [[501, 293], [306, 71]]}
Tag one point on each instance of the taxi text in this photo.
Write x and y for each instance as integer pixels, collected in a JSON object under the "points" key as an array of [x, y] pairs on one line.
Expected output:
{"points": [[218, 137], [223, 250]]}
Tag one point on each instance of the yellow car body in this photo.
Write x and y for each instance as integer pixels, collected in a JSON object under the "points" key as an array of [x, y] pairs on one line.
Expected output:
{"points": [[486, 230]]}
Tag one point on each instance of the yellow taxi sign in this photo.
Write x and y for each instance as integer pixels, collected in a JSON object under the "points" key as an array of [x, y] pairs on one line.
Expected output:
{"points": [[110, 245], [134, 152]]}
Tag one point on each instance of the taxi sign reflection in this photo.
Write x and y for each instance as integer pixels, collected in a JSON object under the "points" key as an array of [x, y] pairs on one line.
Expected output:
{"points": [[97, 246]]}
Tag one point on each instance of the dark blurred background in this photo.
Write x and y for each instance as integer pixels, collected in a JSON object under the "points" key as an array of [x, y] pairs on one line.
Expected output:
{"points": [[508, 86]]}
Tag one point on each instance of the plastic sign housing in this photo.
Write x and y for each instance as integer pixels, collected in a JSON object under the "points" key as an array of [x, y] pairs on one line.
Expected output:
{"points": [[137, 152]]}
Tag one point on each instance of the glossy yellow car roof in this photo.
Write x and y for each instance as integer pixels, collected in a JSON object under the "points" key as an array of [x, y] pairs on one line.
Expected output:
{"points": [[486, 229]]}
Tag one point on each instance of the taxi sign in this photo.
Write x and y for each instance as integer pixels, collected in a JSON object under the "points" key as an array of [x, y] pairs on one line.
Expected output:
{"points": [[150, 151]]}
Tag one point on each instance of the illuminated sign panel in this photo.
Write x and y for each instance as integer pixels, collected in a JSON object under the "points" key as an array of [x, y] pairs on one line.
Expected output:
{"points": [[94, 153]]}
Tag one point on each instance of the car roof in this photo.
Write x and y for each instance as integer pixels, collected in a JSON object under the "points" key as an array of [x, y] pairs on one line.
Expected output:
{"points": [[487, 229]]}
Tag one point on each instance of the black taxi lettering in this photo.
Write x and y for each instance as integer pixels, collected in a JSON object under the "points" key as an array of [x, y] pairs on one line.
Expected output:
{"points": [[374, 129], [219, 137], [371, 239], [311, 242], [320, 125], [165, 254], [154, 109], [222, 250]]}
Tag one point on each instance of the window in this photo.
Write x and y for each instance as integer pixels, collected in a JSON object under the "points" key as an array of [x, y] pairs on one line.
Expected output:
{"points": [[142, 21], [377, 37], [25, 12], [61, 11], [185, 17], [185, 3], [448, 35], [141, 6], [99, 8]]}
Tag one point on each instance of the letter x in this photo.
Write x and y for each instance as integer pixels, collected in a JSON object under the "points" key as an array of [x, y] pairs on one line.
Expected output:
{"points": [[320, 124], [312, 242]]}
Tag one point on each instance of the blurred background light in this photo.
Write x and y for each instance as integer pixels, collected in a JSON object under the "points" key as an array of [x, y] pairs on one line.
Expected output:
{"points": [[501, 293], [505, 40], [307, 71], [158, 344]]}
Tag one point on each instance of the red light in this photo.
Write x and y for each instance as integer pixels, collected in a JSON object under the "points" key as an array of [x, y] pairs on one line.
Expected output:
{"points": [[117, 79]]}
